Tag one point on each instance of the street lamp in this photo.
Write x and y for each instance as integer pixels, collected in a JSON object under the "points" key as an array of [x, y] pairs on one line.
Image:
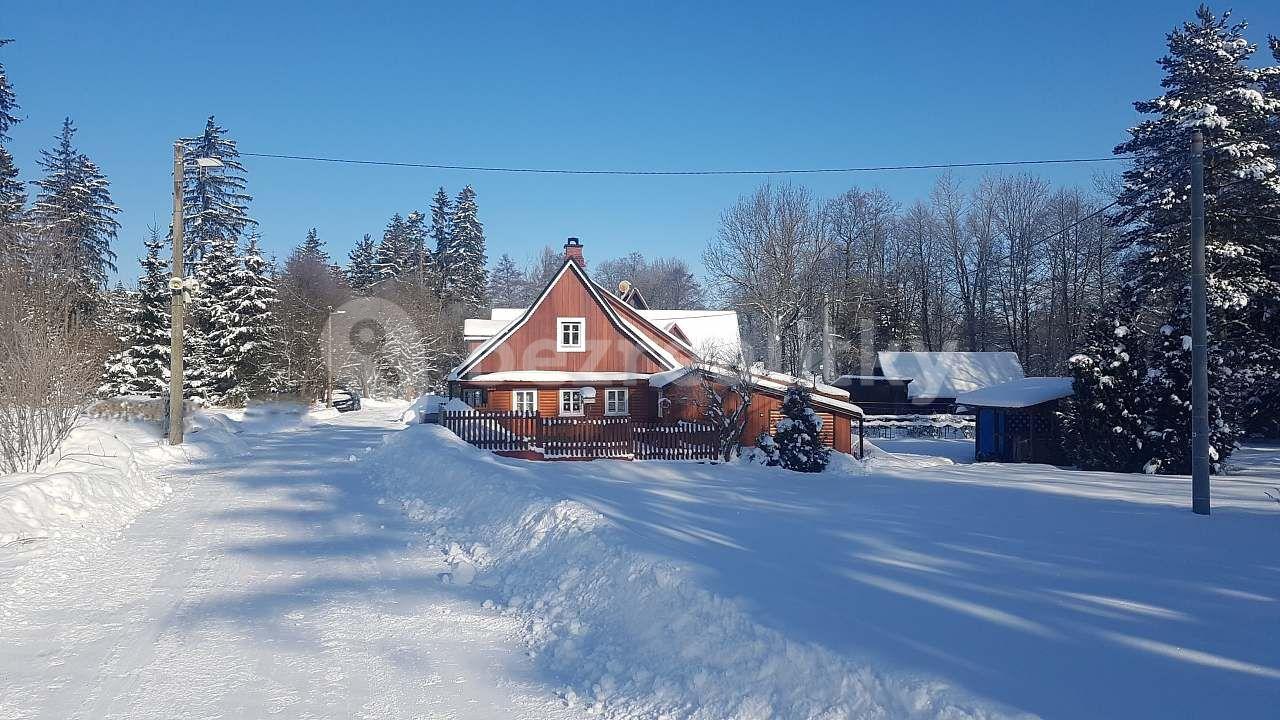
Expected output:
{"points": [[328, 365], [179, 286]]}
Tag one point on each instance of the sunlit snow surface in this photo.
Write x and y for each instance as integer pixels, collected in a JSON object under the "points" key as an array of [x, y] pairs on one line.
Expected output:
{"points": [[347, 566]]}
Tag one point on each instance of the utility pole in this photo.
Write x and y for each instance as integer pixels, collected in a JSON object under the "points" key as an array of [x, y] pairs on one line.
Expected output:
{"points": [[176, 287], [1199, 338], [328, 363], [828, 349]]}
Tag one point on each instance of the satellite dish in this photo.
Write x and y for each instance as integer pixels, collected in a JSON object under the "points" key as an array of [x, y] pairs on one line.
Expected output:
{"points": [[624, 287], [588, 393]]}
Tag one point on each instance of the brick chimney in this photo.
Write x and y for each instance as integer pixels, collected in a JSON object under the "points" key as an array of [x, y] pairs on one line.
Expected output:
{"points": [[573, 251]]}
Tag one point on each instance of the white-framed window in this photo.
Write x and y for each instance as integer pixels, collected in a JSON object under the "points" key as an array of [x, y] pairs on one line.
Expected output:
{"points": [[524, 400], [617, 402], [570, 403], [571, 334]]}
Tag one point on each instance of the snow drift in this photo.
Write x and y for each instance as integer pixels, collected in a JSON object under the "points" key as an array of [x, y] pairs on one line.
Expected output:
{"points": [[629, 634], [103, 476]]}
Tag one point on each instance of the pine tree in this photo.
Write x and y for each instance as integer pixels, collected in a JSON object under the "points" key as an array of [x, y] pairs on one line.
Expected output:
{"points": [[463, 267], [13, 196], [394, 251], [441, 212], [797, 436], [507, 283], [73, 209], [1208, 86], [419, 260], [312, 248], [142, 367], [215, 314], [362, 270], [1102, 424], [215, 204], [1166, 395], [249, 344]]}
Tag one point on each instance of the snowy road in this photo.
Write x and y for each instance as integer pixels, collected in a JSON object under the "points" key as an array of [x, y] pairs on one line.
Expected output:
{"points": [[272, 584]]}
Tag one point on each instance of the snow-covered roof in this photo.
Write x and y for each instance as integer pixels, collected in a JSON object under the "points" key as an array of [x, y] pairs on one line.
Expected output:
{"points": [[947, 374], [778, 382], [1018, 393], [709, 331], [481, 328], [556, 376]]}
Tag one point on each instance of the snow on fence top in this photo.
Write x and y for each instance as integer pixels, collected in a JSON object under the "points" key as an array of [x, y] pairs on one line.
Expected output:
{"points": [[948, 374], [1019, 393]]}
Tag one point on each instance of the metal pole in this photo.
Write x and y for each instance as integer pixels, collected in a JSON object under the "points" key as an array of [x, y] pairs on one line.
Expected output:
{"points": [[328, 364], [176, 311], [1199, 335]]}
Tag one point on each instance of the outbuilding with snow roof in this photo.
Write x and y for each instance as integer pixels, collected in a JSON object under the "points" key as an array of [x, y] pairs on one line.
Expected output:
{"points": [[1018, 421]]}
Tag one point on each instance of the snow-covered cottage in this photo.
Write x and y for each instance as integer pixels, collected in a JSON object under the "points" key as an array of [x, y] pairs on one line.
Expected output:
{"points": [[584, 351], [904, 383]]}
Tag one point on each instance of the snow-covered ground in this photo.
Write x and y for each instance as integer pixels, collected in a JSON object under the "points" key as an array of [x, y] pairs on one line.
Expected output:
{"points": [[324, 565]]}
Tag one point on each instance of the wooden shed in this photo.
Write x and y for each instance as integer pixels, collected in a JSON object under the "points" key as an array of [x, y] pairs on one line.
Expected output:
{"points": [[1018, 421]]}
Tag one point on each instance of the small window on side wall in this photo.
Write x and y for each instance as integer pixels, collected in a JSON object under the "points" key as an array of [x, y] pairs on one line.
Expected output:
{"points": [[475, 397], [571, 334]]}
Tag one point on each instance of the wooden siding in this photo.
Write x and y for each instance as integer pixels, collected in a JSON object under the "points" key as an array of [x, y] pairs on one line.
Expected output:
{"points": [[685, 396], [533, 345], [642, 401]]}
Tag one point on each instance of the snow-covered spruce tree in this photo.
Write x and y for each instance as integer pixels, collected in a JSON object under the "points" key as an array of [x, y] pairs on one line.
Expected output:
{"points": [[1102, 424], [1208, 86], [362, 271], [142, 367], [419, 263], [507, 283], [441, 212], [216, 316], [463, 267], [1166, 397], [393, 257], [797, 436], [215, 204], [74, 212], [249, 345]]}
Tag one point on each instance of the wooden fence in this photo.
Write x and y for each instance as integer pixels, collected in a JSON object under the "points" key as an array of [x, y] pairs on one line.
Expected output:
{"points": [[576, 438], [947, 427]]}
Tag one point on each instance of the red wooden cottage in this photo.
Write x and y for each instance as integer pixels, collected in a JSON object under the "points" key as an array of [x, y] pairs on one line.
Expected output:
{"points": [[584, 351]]}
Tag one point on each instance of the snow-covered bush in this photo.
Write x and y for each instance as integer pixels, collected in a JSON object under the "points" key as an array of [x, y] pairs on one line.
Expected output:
{"points": [[766, 451], [797, 437]]}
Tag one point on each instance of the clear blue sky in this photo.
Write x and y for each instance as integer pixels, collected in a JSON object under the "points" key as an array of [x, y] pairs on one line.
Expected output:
{"points": [[592, 85]]}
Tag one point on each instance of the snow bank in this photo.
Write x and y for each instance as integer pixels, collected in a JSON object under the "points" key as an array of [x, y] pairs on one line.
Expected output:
{"points": [[105, 474], [99, 482], [630, 634]]}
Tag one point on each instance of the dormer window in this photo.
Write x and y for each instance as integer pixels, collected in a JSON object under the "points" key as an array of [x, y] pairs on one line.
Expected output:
{"points": [[571, 334]]}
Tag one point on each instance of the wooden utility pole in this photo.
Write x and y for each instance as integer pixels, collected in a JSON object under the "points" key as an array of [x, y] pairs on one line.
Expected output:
{"points": [[176, 311]]}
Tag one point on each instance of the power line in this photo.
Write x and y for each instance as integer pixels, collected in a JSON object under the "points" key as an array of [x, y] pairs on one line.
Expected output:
{"points": [[779, 171]]}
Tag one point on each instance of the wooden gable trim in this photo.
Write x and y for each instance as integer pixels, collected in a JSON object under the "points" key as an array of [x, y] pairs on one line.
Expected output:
{"points": [[646, 345]]}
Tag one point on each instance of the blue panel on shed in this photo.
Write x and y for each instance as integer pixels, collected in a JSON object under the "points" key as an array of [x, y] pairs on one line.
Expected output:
{"points": [[986, 432]]}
